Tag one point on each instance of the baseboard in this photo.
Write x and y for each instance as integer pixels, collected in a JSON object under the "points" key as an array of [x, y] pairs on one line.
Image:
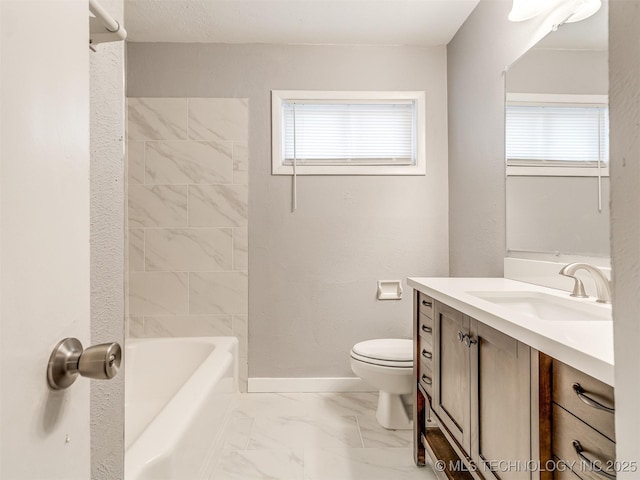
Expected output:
{"points": [[308, 385]]}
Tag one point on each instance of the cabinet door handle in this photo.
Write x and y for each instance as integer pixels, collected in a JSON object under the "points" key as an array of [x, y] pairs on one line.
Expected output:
{"points": [[426, 354], [426, 329], [427, 304], [592, 465], [426, 379], [468, 341], [588, 400], [461, 336]]}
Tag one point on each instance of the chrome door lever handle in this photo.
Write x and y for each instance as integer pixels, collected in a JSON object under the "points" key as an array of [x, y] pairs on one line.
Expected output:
{"points": [[69, 360]]}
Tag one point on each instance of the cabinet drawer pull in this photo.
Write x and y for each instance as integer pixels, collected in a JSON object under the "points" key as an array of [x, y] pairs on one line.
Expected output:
{"points": [[426, 379], [592, 465], [426, 329], [426, 354], [427, 304], [588, 400]]}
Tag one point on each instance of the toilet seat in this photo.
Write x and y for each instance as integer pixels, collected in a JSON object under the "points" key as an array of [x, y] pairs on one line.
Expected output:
{"points": [[386, 352], [387, 365]]}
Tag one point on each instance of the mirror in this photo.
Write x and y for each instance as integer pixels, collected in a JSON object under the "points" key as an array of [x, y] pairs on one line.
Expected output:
{"points": [[557, 178]]}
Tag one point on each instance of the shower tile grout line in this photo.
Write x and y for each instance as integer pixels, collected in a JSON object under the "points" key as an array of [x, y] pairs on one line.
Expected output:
{"points": [[233, 248], [144, 162], [188, 108], [229, 227]]}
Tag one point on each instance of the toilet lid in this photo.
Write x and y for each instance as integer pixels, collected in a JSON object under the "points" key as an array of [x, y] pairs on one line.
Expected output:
{"points": [[386, 349]]}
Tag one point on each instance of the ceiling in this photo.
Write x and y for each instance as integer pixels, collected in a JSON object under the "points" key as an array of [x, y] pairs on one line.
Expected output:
{"points": [[350, 22]]}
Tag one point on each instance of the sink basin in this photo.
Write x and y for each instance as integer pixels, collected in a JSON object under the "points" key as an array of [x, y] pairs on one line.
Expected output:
{"points": [[548, 307]]}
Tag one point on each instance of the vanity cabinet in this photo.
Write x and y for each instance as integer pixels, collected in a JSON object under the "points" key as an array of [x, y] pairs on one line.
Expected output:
{"points": [[491, 407], [480, 395]]}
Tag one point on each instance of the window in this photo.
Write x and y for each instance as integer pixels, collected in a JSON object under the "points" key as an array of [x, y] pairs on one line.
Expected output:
{"points": [[348, 133], [557, 135]]}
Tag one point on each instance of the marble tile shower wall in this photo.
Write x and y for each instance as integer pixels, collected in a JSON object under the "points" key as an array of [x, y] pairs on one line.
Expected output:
{"points": [[187, 173]]}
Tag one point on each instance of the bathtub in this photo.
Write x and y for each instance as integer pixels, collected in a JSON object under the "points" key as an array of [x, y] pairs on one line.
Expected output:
{"points": [[177, 395]]}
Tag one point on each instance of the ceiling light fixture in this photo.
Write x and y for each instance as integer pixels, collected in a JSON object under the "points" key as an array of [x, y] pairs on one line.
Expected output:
{"points": [[576, 9], [584, 9], [526, 9]]}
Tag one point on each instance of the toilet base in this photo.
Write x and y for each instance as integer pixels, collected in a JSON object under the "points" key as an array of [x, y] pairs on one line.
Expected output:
{"points": [[391, 413]]}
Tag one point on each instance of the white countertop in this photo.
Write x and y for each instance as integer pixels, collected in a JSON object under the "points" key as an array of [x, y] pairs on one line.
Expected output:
{"points": [[585, 345]]}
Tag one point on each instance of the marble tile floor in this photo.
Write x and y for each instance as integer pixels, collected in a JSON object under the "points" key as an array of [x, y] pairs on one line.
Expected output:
{"points": [[312, 436]]}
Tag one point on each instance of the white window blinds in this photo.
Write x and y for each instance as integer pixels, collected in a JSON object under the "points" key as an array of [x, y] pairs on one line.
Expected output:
{"points": [[338, 133], [557, 135]]}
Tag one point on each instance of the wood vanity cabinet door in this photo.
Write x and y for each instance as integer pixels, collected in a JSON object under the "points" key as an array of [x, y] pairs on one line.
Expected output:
{"points": [[451, 373], [500, 403]]}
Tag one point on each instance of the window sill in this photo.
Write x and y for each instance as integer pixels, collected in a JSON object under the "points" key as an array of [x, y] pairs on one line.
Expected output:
{"points": [[523, 171], [350, 170]]}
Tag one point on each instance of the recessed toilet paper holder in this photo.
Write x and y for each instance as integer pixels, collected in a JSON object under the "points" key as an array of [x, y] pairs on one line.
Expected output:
{"points": [[69, 360], [389, 289]]}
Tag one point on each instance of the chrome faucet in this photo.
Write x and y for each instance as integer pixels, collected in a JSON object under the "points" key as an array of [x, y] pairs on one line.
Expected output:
{"points": [[603, 286]]}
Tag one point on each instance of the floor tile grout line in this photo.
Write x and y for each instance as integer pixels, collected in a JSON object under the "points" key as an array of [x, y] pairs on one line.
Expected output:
{"points": [[253, 423], [360, 431], [218, 457]]}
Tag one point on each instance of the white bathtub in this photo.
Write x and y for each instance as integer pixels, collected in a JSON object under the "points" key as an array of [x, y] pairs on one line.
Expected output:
{"points": [[177, 394]]}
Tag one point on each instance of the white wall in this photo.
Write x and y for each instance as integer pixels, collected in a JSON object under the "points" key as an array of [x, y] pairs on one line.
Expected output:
{"points": [[624, 101], [313, 273], [44, 242], [107, 246]]}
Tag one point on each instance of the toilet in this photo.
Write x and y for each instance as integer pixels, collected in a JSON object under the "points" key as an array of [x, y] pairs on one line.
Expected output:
{"points": [[387, 365]]}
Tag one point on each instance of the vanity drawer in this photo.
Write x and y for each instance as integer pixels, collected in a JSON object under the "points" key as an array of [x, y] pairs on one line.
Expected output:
{"points": [[571, 435], [584, 406], [425, 378], [425, 305], [425, 328], [425, 351]]}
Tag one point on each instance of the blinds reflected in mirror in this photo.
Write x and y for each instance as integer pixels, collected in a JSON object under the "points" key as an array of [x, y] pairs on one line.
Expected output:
{"points": [[544, 135]]}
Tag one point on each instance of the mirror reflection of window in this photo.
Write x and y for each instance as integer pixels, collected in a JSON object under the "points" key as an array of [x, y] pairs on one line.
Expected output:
{"points": [[557, 144], [557, 134]]}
